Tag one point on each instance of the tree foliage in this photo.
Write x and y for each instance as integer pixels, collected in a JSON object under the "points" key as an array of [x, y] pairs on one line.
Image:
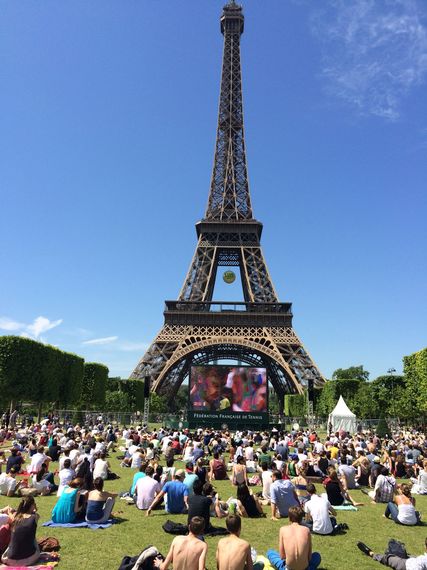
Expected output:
{"points": [[35, 372], [94, 385]]}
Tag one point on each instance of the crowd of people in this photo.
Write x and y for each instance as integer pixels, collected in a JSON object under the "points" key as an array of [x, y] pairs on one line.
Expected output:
{"points": [[176, 470]]}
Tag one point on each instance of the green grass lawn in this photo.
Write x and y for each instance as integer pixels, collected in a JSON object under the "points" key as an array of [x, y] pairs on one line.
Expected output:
{"points": [[104, 549]]}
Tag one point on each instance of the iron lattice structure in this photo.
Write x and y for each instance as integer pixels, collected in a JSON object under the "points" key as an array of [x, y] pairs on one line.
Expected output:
{"points": [[259, 330]]}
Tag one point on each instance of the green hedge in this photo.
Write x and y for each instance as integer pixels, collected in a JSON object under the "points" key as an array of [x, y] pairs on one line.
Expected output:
{"points": [[94, 385], [36, 372]]}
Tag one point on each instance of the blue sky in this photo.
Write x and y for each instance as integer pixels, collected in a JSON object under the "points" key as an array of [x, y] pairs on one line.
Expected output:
{"points": [[107, 134]]}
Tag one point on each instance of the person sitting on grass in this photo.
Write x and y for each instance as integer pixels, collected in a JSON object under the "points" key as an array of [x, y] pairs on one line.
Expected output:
{"points": [[335, 491], [146, 489], [188, 552], [397, 562], [238, 474], [176, 501], [199, 505], [402, 510], [8, 483], [295, 550], [43, 481], [318, 510], [65, 476], [99, 503], [71, 504], [234, 553], [282, 496], [138, 475], [384, 488], [15, 460], [420, 483], [23, 549], [248, 505], [218, 469]]}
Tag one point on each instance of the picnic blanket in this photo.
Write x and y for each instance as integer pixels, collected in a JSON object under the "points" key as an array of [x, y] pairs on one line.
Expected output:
{"points": [[83, 524], [346, 508], [43, 567]]}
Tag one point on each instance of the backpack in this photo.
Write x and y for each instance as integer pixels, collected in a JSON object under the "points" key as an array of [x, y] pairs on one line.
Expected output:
{"points": [[145, 561], [396, 548], [175, 528]]}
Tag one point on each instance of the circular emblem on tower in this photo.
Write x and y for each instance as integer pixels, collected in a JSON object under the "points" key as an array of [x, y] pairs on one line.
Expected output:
{"points": [[229, 277]]}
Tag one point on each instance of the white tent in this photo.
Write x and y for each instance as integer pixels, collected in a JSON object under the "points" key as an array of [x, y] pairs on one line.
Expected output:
{"points": [[342, 418]]}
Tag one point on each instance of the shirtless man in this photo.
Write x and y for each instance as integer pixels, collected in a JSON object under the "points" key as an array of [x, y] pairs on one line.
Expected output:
{"points": [[233, 553], [294, 546], [188, 552]]}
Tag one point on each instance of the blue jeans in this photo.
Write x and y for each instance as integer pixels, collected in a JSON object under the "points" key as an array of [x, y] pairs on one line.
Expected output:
{"points": [[280, 564], [392, 511]]}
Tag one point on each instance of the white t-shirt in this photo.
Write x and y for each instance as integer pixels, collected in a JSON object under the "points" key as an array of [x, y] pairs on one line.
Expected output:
{"points": [[65, 476], [266, 484], [318, 508], [146, 489], [100, 469], [7, 484], [418, 563], [37, 461]]}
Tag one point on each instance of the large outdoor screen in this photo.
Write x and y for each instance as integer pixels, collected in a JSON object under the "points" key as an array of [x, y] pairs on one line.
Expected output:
{"points": [[228, 389]]}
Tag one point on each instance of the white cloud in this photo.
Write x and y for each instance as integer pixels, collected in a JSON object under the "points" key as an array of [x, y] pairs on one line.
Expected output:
{"points": [[374, 52], [42, 325], [101, 341], [39, 326], [10, 325]]}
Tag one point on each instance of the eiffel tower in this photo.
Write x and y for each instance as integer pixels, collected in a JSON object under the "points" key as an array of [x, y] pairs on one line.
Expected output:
{"points": [[198, 330]]}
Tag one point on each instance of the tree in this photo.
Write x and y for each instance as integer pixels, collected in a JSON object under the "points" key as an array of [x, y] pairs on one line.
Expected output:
{"points": [[94, 385]]}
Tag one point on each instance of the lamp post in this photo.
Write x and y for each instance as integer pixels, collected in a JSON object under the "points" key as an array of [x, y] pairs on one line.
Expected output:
{"points": [[392, 371]]}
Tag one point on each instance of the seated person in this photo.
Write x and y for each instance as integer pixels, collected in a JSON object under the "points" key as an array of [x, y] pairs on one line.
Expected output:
{"points": [[99, 503], [176, 500], [15, 460], [23, 549], [335, 491], [384, 488], [300, 483], [199, 505], [189, 551], [402, 509], [43, 482], [294, 545], [218, 469], [8, 483], [248, 504], [147, 489], [65, 476], [71, 504], [318, 510], [420, 484], [233, 552], [140, 474]]}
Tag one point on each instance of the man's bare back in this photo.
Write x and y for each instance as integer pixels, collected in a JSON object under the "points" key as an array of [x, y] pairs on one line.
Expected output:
{"points": [[295, 546], [233, 553], [186, 553]]}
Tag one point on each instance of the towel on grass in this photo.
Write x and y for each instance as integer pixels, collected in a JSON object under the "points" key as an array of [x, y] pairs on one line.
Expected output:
{"points": [[42, 567], [83, 524], [345, 508]]}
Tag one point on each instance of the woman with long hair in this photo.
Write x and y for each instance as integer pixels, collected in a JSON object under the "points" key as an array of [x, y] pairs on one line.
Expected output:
{"points": [[99, 503], [23, 549], [70, 504], [402, 509], [247, 504], [239, 475]]}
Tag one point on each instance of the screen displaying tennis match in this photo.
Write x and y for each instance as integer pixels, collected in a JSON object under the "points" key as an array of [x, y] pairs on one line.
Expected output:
{"points": [[228, 389]]}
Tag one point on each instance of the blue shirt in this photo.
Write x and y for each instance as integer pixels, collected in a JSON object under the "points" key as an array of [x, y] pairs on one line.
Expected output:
{"points": [[189, 480], [175, 491], [282, 495], [137, 476]]}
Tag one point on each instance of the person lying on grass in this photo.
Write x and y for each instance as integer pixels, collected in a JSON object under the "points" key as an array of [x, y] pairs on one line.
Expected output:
{"points": [[397, 562]]}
